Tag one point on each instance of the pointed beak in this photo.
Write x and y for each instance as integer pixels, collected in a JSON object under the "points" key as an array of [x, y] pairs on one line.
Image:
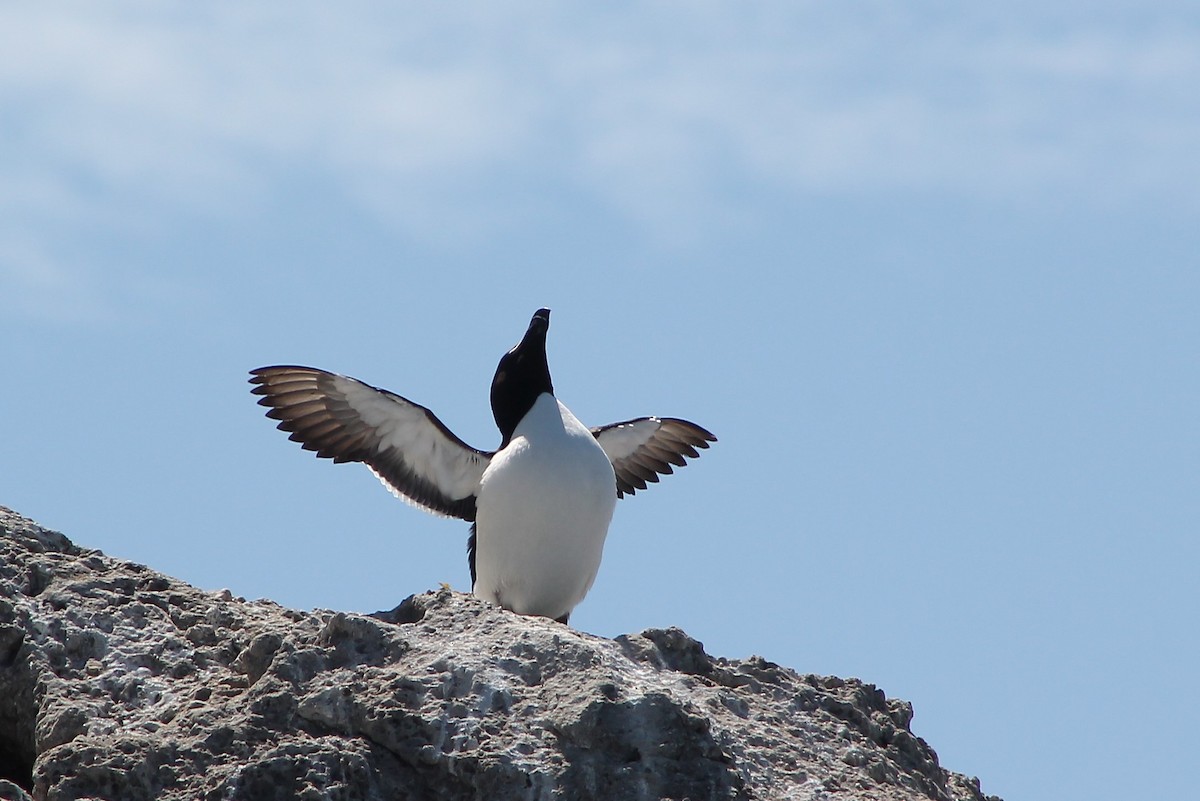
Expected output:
{"points": [[536, 333]]}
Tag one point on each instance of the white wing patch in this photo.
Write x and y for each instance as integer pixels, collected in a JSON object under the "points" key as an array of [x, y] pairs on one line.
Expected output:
{"points": [[403, 443], [405, 431], [641, 450]]}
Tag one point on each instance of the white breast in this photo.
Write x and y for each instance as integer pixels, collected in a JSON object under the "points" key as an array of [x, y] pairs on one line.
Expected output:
{"points": [[543, 510]]}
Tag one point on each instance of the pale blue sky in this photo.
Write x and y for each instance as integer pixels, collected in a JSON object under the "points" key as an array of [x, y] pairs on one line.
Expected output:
{"points": [[929, 272]]}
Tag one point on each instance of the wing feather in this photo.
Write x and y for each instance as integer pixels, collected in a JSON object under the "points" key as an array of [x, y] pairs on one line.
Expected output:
{"points": [[643, 449], [404, 444]]}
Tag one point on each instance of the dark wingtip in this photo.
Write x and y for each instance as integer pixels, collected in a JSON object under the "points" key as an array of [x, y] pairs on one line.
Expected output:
{"points": [[261, 375]]}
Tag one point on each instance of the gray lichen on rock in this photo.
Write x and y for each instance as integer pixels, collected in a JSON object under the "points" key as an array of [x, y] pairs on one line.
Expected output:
{"points": [[117, 682]]}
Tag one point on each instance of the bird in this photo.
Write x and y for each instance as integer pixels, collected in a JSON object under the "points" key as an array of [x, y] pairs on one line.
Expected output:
{"points": [[540, 504]]}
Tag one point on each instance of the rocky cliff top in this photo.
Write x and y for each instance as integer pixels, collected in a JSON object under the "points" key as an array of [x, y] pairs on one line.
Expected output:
{"points": [[118, 682]]}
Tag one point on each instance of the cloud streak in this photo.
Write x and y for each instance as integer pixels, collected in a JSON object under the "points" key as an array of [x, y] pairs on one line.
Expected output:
{"points": [[664, 116]]}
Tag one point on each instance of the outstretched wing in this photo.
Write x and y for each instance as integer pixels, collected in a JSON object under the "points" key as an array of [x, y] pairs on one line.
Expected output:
{"points": [[642, 449], [405, 445]]}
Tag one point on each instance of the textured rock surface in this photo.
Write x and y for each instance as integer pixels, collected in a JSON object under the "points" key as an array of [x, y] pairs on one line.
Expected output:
{"points": [[117, 682]]}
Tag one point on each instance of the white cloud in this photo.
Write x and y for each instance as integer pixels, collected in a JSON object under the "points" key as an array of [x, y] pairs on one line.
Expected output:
{"points": [[664, 114]]}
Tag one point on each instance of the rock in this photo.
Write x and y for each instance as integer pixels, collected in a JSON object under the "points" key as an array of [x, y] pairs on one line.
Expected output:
{"points": [[117, 682]]}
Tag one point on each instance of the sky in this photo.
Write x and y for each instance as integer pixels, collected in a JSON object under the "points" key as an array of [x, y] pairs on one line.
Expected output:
{"points": [[928, 271]]}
